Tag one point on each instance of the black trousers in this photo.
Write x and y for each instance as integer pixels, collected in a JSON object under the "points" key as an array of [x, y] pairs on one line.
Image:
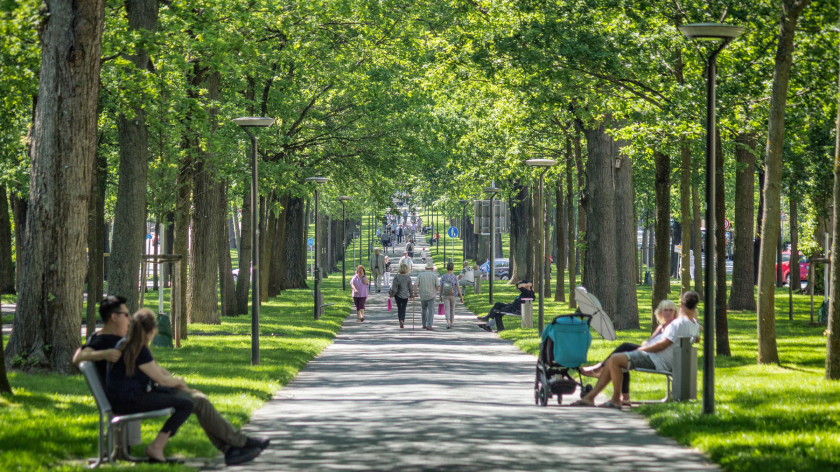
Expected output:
{"points": [[159, 399], [496, 314], [625, 347], [401, 304]]}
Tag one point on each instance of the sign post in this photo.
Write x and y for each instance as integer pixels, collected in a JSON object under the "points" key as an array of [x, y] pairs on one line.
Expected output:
{"points": [[311, 242], [453, 233]]}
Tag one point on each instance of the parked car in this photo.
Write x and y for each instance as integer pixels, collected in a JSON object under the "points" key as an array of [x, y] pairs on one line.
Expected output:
{"points": [[803, 267], [502, 267]]}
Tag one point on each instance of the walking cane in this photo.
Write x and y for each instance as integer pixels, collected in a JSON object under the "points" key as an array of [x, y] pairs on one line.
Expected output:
{"points": [[412, 313]]}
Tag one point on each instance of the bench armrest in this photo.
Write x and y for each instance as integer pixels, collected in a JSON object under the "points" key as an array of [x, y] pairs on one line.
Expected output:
{"points": [[143, 416], [651, 371]]}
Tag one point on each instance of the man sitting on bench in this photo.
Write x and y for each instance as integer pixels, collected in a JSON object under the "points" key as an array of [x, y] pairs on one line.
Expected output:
{"points": [[658, 354], [101, 350], [500, 309]]}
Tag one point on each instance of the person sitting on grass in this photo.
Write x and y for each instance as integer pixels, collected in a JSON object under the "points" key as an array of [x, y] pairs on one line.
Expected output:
{"points": [[498, 310], [656, 355], [108, 349], [665, 313]]}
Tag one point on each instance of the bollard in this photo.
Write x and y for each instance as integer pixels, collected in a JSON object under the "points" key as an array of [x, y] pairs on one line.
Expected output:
{"points": [[527, 312], [321, 303], [477, 288], [685, 371]]}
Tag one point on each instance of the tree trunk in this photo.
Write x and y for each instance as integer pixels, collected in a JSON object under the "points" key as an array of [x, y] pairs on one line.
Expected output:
{"points": [[626, 301], [227, 289], [685, 214], [181, 239], [169, 237], [265, 258], [767, 351], [560, 260], [519, 220], [96, 238], [570, 215], [599, 273], [243, 281], [779, 280], [4, 381], [546, 241], [698, 240], [133, 137], [277, 271], [19, 210], [794, 251], [721, 321], [581, 254], [832, 358], [53, 261], [743, 277], [236, 228], [7, 267], [296, 226], [662, 243]]}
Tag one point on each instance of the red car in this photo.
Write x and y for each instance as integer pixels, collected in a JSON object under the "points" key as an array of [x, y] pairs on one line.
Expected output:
{"points": [[803, 267]]}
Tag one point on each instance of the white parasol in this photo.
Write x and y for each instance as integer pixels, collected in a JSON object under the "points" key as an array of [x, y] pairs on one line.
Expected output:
{"points": [[590, 305]]}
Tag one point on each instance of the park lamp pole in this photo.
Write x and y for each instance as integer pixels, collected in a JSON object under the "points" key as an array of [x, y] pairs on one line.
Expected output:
{"points": [[317, 272], [343, 200], [725, 34], [245, 123], [491, 267], [546, 164], [463, 226]]}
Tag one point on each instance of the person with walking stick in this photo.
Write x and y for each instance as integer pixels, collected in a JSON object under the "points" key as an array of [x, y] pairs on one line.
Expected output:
{"points": [[402, 289]]}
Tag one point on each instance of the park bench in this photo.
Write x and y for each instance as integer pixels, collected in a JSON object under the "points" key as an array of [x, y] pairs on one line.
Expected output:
{"points": [[681, 384], [116, 433]]}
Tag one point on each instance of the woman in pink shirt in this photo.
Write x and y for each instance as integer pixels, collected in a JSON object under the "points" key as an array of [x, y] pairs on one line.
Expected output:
{"points": [[359, 284]]}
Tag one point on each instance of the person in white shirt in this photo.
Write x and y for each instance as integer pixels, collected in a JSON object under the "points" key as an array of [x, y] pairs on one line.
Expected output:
{"points": [[467, 276], [405, 259], [658, 354]]}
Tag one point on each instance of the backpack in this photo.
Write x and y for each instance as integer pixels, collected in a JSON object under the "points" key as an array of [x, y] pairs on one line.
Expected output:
{"points": [[448, 291], [409, 247]]}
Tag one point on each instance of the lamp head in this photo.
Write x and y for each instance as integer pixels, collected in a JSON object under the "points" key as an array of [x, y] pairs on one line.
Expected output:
{"points": [[254, 121], [710, 31], [491, 190], [463, 202], [317, 180], [541, 162], [343, 199]]}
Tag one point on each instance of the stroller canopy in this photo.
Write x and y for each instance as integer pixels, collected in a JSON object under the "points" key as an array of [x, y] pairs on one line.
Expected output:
{"points": [[570, 338]]}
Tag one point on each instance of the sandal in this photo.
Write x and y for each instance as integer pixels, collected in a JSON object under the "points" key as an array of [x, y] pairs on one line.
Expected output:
{"points": [[609, 404], [582, 403]]}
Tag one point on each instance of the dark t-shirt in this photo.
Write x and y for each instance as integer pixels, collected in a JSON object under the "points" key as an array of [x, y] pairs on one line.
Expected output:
{"points": [[101, 342], [121, 388], [516, 306]]}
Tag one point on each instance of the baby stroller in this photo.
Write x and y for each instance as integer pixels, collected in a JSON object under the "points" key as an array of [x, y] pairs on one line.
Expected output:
{"points": [[564, 346], [565, 343]]}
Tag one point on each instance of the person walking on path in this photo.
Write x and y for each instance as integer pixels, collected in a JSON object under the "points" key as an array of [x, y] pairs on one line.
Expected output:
{"points": [[427, 288], [377, 269], [402, 289], [359, 284], [449, 288], [393, 240], [407, 260], [400, 234], [387, 272], [409, 248]]}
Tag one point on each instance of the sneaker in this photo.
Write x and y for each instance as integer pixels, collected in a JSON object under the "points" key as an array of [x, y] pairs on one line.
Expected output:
{"points": [[256, 441], [485, 328], [240, 455]]}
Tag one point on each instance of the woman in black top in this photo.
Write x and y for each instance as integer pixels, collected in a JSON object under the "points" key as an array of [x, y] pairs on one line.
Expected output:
{"points": [[129, 383]]}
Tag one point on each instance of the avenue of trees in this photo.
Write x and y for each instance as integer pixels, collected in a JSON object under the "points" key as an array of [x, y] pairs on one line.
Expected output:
{"points": [[118, 114]]}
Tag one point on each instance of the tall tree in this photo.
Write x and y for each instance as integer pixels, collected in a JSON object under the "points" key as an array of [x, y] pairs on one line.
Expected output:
{"points": [[771, 227], [832, 358], [7, 267], [721, 319], [570, 215], [130, 210], [627, 304], [662, 243], [743, 279], [53, 267], [560, 260]]}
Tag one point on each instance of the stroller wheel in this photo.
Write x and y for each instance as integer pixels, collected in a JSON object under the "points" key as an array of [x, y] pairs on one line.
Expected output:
{"points": [[541, 390]]}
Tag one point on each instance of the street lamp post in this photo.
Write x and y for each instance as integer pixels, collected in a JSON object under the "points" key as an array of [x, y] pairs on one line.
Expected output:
{"points": [[463, 226], [546, 164], [491, 268], [245, 123], [724, 33], [317, 270], [343, 200]]}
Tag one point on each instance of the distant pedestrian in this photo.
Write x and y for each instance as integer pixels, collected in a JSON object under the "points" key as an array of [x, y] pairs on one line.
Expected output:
{"points": [[449, 289], [399, 234], [359, 285], [407, 260], [409, 248], [377, 268], [387, 272], [393, 241], [427, 289], [402, 289]]}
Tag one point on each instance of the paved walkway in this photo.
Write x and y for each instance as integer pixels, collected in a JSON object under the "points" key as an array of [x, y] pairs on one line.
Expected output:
{"points": [[385, 398]]}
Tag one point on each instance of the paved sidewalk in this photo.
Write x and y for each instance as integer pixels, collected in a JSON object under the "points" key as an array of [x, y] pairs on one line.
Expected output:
{"points": [[385, 398]]}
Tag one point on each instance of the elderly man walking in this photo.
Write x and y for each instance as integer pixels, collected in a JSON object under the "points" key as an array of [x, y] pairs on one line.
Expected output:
{"points": [[427, 288], [377, 268]]}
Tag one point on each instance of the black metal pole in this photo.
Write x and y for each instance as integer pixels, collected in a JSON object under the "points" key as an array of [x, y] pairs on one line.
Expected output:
{"points": [[709, 301], [343, 241], [491, 266], [255, 255], [541, 313], [317, 271], [463, 228]]}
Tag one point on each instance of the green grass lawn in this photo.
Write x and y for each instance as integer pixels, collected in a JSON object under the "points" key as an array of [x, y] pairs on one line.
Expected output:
{"points": [[768, 418], [51, 420]]}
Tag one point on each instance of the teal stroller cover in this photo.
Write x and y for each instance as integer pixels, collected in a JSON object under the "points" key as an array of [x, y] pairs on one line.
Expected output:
{"points": [[571, 339]]}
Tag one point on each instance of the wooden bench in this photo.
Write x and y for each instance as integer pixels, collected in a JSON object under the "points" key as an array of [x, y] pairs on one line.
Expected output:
{"points": [[116, 433], [681, 384]]}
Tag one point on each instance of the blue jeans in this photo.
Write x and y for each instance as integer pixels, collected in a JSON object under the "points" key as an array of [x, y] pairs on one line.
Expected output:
{"points": [[427, 310]]}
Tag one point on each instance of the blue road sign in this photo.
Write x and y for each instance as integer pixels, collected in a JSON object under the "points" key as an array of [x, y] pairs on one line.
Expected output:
{"points": [[148, 236], [452, 232], [310, 242]]}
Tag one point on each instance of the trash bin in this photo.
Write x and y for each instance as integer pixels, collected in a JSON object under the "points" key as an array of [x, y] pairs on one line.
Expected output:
{"points": [[164, 336]]}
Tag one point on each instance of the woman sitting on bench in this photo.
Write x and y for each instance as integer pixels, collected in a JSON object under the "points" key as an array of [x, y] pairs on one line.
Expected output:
{"points": [[137, 384], [665, 313], [656, 355], [499, 309]]}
